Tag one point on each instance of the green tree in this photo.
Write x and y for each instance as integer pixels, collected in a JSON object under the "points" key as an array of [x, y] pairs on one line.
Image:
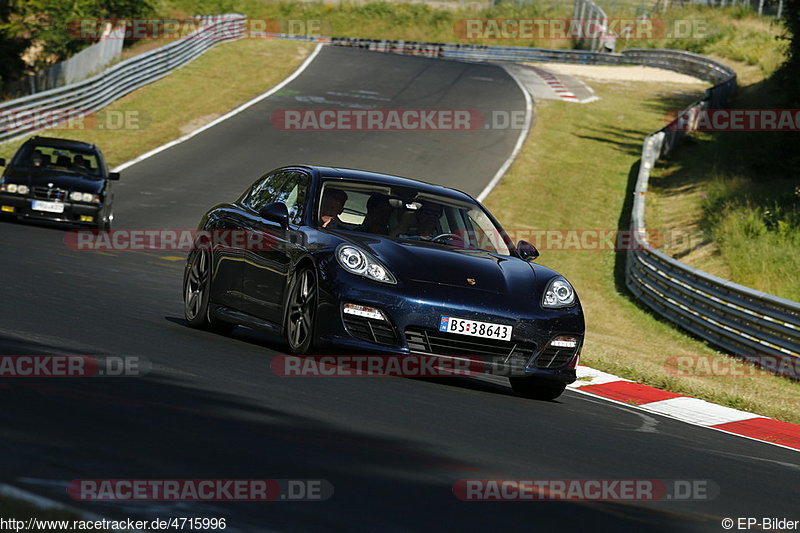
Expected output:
{"points": [[53, 23], [12, 44], [790, 71]]}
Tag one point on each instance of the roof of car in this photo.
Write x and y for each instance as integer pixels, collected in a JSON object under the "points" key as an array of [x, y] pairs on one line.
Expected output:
{"points": [[61, 143], [387, 179]]}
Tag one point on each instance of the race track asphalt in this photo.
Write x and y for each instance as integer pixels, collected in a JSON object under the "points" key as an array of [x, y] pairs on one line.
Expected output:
{"points": [[391, 447]]}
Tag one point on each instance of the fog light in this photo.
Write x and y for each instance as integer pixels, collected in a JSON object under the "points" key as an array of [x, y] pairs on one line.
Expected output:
{"points": [[7, 209], [564, 342], [361, 310], [85, 218]]}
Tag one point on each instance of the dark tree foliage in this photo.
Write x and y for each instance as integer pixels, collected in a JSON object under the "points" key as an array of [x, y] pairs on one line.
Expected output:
{"points": [[790, 72], [53, 23], [12, 44]]}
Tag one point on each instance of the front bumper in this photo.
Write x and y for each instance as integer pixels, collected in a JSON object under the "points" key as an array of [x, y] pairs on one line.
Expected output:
{"points": [[74, 212], [414, 310]]}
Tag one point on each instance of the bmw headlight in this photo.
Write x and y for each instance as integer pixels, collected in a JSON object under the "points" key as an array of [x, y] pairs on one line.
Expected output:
{"points": [[357, 261], [559, 293], [12, 188], [77, 196], [23, 189]]}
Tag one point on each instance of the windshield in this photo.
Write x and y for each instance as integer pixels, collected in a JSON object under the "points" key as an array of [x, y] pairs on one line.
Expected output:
{"points": [[408, 215], [43, 156]]}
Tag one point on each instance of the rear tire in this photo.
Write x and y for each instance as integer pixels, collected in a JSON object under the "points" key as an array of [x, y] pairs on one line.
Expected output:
{"points": [[196, 292], [537, 388]]}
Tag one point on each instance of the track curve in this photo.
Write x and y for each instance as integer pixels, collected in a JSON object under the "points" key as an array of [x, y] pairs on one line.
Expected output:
{"points": [[392, 448]]}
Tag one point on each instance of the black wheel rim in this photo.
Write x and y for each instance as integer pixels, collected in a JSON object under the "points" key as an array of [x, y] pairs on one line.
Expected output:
{"points": [[301, 310], [196, 285]]}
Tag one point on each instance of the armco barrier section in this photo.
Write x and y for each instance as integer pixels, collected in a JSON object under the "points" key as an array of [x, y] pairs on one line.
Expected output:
{"points": [[744, 322], [28, 114]]}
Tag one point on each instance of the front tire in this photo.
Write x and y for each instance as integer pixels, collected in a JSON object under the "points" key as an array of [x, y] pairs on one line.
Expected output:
{"points": [[537, 388], [196, 293], [301, 312]]}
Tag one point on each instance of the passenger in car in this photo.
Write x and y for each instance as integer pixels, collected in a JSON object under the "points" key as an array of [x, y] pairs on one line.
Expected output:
{"points": [[378, 212], [423, 224]]}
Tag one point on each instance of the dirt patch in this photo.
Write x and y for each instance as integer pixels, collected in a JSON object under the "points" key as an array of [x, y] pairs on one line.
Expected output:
{"points": [[198, 122]]}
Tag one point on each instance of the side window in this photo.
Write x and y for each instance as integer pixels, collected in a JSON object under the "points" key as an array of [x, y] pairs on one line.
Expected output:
{"points": [[293, 193], [266, 191]]}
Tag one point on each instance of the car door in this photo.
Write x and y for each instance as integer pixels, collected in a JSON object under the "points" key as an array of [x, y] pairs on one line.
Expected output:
{"points": [[268, 264], [226, 285]]}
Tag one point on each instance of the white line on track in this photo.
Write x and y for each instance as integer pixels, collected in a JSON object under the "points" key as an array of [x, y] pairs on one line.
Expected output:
{"points": [[226, 116], [520, 140]]}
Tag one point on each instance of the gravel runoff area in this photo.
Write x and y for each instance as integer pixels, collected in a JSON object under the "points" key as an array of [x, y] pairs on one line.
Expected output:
{"points": [[620, 73]]}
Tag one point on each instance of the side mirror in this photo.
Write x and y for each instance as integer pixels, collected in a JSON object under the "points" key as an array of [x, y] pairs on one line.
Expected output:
{"points": [[113, 176], [2, 162], [276, 212], [527, 251]]}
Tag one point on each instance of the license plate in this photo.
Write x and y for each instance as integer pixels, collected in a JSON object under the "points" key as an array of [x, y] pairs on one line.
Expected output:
{"points": [[473, 328], [51, 207]]}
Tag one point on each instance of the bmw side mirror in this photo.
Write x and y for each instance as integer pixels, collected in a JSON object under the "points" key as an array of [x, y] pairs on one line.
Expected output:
{"points": [[276, 212], [113, 176], [527, 251], [2, 162]]}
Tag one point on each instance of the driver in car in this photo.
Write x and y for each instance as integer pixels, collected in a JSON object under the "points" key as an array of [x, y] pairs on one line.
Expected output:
{"points": [[424, 224], [331, 207]]}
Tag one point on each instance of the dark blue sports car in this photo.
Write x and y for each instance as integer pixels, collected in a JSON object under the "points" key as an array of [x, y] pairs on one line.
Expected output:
{"points": [[371, 263]]}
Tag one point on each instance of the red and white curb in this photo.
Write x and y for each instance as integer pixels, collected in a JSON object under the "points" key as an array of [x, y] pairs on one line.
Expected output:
{"points": [[687, 409], [555, 84]]}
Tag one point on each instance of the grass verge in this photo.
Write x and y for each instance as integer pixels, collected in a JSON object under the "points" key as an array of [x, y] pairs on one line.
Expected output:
{"points": [[576, 170], [381, 20], [195, 94], [738, 192]]}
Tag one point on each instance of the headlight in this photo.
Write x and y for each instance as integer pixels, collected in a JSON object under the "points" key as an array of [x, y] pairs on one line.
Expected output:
{"points": [[84, 197], [559, 293], [11, 187], [359, 262], [23, 189]]}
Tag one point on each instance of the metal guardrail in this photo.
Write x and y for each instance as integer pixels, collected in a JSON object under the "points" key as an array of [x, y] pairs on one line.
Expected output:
{"points": [[28, 114], [745, 322]]}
